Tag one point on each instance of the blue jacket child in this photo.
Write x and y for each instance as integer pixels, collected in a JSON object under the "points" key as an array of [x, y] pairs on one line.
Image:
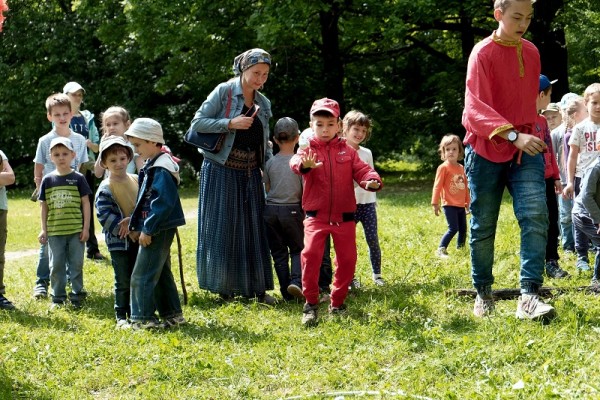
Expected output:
{"points": [[156, 216]]}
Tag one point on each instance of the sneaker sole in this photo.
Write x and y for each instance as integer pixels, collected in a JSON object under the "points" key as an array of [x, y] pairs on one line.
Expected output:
{"points": [[295, 291], [544, 317]]}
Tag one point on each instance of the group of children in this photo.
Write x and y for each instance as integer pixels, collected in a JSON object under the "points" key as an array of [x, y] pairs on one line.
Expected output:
{"points": [[139, 215]]}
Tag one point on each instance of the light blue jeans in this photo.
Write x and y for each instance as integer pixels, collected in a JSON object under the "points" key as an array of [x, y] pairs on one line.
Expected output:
{"points": [[566, 224], [525, 183], [66, 249], [152, 284]]}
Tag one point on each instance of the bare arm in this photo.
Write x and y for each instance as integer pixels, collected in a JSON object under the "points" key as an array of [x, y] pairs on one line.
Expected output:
{"points": [[43, 236], [571, 166], [7, 175], [37, 174]]}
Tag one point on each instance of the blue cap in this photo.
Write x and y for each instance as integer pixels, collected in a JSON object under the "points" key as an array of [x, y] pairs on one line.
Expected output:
{"points": [[545, 83]]}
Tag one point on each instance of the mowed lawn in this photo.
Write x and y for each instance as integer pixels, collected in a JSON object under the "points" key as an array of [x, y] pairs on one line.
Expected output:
{"points": [[409, 339]]}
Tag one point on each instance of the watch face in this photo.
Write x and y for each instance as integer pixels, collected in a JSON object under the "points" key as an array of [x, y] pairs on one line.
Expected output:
{"points": [[512, 136]]}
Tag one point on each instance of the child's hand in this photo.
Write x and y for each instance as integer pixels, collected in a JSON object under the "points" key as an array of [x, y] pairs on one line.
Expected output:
{"points": [[436, 209], [309, 160], [84, 235], [371, 184], [568, 191], [558, 187], [134, 236], [43, 237], [124, 227], [145, 240]]}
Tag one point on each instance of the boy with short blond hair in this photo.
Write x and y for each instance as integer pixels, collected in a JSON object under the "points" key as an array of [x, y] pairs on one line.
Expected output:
{"points": [[501, 151], [329, 167], [58, 107], [64, 197]]}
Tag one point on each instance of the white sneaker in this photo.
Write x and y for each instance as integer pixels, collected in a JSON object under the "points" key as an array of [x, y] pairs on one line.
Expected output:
{"points": [[483, 307], [441, 252], [532, 307], [378, 280]]}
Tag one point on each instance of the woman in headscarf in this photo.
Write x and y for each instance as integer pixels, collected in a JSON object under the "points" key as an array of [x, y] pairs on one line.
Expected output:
{"points": [[233, 256]]}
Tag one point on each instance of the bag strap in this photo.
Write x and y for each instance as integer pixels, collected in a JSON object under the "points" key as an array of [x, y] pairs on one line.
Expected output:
{"points": [[228, 109]]}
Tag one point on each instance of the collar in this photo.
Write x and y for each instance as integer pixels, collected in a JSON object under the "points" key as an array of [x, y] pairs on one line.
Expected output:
{"points": [[508, 43]]}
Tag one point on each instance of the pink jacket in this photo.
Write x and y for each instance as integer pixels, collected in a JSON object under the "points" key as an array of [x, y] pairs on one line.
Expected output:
{"points": [[329, 189]]}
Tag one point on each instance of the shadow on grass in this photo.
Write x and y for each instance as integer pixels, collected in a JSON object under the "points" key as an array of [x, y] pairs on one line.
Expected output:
{"points": [[14, 389]]}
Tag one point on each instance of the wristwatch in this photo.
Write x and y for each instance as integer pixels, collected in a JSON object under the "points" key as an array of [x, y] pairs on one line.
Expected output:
{"points": [[512, 136]]}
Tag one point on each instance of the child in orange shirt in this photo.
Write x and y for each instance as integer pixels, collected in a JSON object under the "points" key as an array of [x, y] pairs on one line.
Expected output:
{"points": [[450, 187]]}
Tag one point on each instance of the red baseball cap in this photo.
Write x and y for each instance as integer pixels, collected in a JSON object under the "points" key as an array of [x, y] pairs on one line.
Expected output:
{"points": [[326, 104]]}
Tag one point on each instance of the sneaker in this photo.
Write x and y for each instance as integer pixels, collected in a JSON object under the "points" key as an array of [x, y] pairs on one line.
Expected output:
{"points": [[337, 310], [441, 252], [309, 314], [5, 304], [582, 265], [378, 280], [324, 297], [151, 324], [295, 291], [177, 320], [56, 305], [532, 307], [97, 256], [595, 284], [553, 270], [40, 291], [76, 304], [267, 299], [483, 306], [355, 284], [122, 323]]}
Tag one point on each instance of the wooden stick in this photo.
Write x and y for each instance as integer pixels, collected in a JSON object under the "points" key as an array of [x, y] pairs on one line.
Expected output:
{"points": [[180, 257]]}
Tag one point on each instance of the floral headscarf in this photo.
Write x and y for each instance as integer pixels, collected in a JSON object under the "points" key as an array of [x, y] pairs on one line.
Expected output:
{"points": [[249, 58]]}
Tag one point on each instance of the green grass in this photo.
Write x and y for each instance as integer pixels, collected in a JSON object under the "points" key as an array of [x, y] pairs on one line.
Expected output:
{"points": [[405, 340]]}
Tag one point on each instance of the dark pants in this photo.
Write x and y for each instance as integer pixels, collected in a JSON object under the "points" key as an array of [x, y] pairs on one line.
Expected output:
{"points": [[583, 223], [553, 232], [285, 234], [123, 262], [92, 243], [582, 240], [457, 223]]}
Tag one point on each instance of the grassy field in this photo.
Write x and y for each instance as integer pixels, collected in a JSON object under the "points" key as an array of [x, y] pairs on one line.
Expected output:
{"points": [[405, 340]]}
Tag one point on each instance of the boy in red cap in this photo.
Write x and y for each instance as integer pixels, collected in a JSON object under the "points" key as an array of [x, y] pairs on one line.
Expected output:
{"points": [[329, 167]]}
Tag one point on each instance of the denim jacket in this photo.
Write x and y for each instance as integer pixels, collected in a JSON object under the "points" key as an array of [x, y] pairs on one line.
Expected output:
{"points": [[210, 117], [109, 215], [158, 206]]}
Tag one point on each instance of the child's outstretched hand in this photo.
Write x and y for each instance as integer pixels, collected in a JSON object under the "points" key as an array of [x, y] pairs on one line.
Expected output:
{"points": [[309, 160], [436, 209], [372, 184], [124, 227]]}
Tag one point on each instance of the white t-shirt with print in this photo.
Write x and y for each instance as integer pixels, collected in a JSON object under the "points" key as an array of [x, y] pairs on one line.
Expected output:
{"points": [[584, 137]]}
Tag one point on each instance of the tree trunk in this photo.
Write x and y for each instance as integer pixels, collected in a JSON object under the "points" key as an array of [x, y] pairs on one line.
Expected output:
{"points": [[333, 67], [550, 40]]}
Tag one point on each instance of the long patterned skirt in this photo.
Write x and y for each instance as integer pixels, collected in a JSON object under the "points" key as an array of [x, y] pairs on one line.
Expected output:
{"points": [[233, 255]]}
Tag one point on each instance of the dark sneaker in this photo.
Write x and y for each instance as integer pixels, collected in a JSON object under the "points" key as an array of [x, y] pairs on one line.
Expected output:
{"points": [[76, 304], [40, 291], [532, 307], [553, 270], [337, 310], [5, 304], [483, 306], [295, 291], [172, 322], [55, 305], [309, 314], [267, 299], [355, 284], [97, 256]]}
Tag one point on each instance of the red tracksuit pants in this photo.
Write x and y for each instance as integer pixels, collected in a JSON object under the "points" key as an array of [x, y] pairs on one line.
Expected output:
{"points": [[344, 242]]}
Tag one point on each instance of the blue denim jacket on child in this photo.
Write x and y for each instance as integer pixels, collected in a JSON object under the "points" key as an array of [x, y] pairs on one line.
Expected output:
{"points": [[210, 117], [158, 206]]}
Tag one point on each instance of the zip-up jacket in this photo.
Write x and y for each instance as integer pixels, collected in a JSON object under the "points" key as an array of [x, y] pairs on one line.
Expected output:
{"points": [[109, 215], [329, 189], [158, 206]]}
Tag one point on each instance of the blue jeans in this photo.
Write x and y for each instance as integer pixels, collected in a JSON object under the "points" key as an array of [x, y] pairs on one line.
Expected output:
{"points": [[123, 262], [585, 224], [43, 267], [525, 183], [152, 284], [566, 224], [457, 223], [66, 249]]}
